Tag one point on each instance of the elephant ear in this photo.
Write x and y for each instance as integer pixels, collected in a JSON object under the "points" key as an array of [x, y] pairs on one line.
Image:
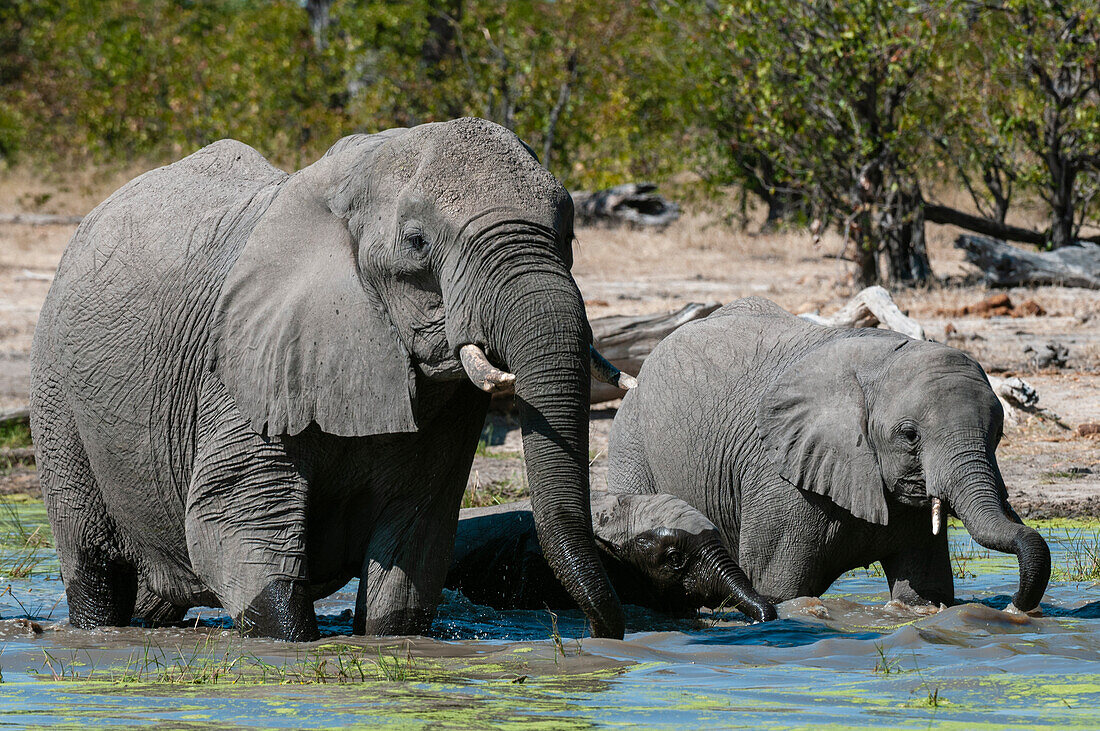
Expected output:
{"points": [[813, 422], [300, 337]]}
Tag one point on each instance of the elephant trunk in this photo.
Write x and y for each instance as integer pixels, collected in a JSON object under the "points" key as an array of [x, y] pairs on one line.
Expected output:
{"points": [[727, 586], [976, 492], [543, 338]]}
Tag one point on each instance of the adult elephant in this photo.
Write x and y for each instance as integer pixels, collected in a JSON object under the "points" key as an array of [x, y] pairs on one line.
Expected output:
{"points": [[249, 387], [816, 450]]}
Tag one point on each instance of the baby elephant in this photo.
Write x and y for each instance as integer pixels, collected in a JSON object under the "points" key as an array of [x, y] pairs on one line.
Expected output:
{"points": [[816, 450], [659, 552]]}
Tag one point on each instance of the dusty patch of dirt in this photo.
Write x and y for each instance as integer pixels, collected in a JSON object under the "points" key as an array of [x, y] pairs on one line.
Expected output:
{"points": [[1050, 470]]}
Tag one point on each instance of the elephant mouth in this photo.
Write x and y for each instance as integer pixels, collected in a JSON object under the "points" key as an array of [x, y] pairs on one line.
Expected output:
{"points": [[912, 493], [915, 494]]}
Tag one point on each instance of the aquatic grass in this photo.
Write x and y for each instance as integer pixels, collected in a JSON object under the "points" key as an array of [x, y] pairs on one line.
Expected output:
{"points": [[392, 669], [31, 545], [721, 613], [208, 663], [555, 635], [887, 664], [961, 560], [1082, 557], [556, 638], [933, 699]]}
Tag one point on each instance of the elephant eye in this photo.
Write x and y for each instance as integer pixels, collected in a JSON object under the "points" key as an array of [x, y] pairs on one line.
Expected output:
{"points": [[416, 241], [674, 559], [909, 434]]}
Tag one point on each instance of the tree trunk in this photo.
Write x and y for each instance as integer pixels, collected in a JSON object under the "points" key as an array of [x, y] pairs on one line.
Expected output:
{"points": [[866, 252], [1062, 174], [559, 107], [1061, 205], [1008, 266], [319, 20], [903, 238]]}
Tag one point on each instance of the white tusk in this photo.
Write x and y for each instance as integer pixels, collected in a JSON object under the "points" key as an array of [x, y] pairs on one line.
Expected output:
{"points": [[482, 373], [937, 516], [602, 370]]}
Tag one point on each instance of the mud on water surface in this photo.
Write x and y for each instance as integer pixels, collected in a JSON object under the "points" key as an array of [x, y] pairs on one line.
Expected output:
{"points": [[848, 659]]}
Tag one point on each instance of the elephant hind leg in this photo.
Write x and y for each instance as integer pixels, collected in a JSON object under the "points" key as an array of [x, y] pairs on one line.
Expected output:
{"points": [[100, 583], [101, 593]]}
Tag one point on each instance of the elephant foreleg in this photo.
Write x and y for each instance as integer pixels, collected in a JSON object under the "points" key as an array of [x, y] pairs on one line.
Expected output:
{"points": [[402, 580], [246, 529], [921, 574], [410, 548]]}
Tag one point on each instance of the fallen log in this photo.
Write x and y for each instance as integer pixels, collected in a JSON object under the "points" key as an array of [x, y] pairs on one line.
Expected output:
{"points": [[1007, 266], [869, 308], [627, 340], [40, 219], [633, 204], [16, 416], [16, 455], [934, 213]]}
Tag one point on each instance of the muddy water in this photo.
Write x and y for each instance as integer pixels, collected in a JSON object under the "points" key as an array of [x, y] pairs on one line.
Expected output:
{"points": [[846, 659]]}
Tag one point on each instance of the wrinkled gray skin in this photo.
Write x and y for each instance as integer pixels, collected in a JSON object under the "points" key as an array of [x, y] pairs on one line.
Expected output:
{"points": [[659, 551], [816, 450], [246, 388]]}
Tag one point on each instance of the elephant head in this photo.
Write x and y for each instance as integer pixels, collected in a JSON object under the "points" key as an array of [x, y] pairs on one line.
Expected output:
{"points": [[675, 556], [389, 265], [872, 419]]}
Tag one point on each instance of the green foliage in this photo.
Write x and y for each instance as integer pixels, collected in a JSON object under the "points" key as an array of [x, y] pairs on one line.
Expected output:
{"points": [[122, 79], [1022, 101], [15, 434], [842, 111]]}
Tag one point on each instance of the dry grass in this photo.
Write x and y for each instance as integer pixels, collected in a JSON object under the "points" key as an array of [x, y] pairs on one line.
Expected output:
{"points": [[28, 189]]}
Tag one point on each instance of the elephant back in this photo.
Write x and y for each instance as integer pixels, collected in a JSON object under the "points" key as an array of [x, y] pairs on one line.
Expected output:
{"points": [[160, 234], [123, 331]]}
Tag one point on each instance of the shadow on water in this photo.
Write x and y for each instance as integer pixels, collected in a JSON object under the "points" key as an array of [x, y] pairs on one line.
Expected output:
{"points": [[781, 633], [849, 658]]}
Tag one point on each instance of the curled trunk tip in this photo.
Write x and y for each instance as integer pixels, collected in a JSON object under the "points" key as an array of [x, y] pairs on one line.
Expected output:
{"points": [[605, 372]]}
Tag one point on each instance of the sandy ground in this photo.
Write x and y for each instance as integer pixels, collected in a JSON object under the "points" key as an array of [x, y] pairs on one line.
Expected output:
{"points": [[1050, 470]]}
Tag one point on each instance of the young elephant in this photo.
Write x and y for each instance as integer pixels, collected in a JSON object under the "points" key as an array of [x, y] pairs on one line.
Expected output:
{"points": [[659, 551], [816, 450]]}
